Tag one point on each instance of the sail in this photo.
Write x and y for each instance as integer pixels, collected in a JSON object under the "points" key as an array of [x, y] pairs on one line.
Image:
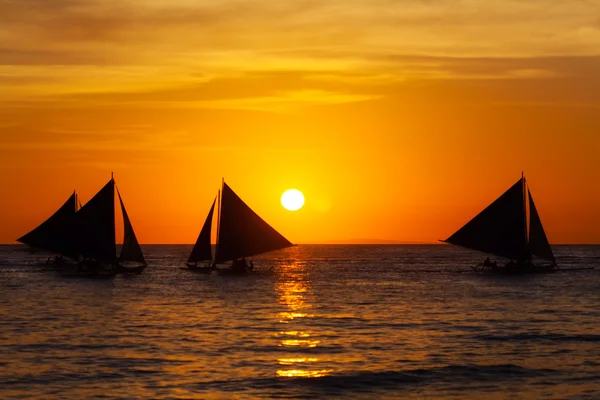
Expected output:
{"points": [[53, 234], [202, 250], [95, 226], [131, 250], [499, 229], [242, 233], [538, 242]]}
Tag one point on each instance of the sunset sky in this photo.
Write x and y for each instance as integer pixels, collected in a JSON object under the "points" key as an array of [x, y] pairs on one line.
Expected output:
{"points": [[398, 119]]}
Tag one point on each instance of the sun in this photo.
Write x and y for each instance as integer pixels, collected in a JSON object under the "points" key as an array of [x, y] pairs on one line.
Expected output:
{"points": [[292, 199]]}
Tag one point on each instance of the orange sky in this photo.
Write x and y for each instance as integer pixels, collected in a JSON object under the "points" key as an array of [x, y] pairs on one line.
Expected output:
{"points": [[399, 120]]}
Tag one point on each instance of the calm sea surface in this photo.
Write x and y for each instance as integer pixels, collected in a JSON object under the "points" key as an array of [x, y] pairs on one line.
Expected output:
{"points": [[315, 322]]}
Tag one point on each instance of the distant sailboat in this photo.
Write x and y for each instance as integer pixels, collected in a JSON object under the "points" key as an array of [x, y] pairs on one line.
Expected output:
{"points": [[53, 235], [504, 230], [241, 233], [94, 237]]}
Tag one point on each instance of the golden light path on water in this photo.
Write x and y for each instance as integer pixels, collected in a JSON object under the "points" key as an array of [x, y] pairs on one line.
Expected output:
{"points": [[292, 289]]}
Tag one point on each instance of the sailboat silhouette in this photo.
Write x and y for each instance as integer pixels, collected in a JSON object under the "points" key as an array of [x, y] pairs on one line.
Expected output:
{"points": [[503, 229], [87, 235], [241, 233]]}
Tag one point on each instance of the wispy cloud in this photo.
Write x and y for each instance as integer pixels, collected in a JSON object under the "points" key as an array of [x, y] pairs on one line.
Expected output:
{"points": [[92, 46], [538, 27]]}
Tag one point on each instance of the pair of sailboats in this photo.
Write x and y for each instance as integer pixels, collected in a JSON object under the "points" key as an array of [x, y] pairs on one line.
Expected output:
{"points": [[509, 228], [86, 234], [241, 233]]}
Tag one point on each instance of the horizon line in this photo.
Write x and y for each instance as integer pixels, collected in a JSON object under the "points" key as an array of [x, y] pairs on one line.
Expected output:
{"points": [[340, 243]]}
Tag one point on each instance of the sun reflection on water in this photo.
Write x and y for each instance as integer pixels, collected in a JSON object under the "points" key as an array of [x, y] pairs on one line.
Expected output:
{"points": [[298, 373], [306, 343], [293, 287], [295, 333], [285, 317], [292, 361]]}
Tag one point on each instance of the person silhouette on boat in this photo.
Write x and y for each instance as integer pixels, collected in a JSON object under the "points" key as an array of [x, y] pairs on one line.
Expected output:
{"points": [[242, 265], [511, 265], [58, 259], [239, 264], [489, 263]]}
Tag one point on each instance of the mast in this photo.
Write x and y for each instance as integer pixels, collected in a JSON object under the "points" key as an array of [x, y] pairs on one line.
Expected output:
{"points": [[112, 179], [527, 253], [219, 215]]}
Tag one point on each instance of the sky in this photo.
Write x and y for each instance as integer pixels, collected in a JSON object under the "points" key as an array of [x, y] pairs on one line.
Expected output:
{"points": [[399, 120]]}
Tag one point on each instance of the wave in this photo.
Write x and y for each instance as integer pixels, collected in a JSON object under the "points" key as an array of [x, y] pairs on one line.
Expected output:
{"points": [[551, 337], [369, 381]]}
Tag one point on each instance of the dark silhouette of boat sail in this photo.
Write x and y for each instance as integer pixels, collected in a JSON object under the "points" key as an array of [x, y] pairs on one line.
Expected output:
{"points": [[503, 229], [52, 235], [241, 233], [202, 251]]}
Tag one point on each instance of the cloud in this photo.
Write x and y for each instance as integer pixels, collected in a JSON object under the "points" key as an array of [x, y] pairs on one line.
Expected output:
{"points": [[115, 51], [134, 31], [523, 80]]}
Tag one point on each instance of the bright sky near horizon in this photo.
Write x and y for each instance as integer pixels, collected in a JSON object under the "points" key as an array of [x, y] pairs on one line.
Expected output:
{"points": [[397, 119]]}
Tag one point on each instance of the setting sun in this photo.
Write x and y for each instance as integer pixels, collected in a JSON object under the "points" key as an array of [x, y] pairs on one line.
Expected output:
{"points": [[292, 199]]}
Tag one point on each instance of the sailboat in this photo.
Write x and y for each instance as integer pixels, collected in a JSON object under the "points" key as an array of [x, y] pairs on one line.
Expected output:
{"points": [[52, 235], [509, 228], [241, 233], [94, 237]]}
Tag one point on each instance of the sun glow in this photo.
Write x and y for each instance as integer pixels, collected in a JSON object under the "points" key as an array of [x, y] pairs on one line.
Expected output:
{"points": [[292, 199]]}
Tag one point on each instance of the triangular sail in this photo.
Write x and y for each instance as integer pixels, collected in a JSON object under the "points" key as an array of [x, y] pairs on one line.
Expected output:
{"points": [[202, 250], [242, 233], [499, 229], [538, 242], [131, 250], [53, 234], [95, 226]]}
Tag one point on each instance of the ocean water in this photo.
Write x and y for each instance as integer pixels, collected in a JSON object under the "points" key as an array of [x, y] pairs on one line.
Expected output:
{"points": [[316, 321]]}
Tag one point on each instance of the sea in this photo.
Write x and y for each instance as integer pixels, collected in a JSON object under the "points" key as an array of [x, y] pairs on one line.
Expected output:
{"points": [[314, 321]]}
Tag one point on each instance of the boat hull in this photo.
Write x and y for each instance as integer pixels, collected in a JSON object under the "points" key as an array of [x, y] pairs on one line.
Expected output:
{"points": [[233, 272], [201, 269], [536, 269], [517, 269], [130, 270], [91, 269], [91, 274]]}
